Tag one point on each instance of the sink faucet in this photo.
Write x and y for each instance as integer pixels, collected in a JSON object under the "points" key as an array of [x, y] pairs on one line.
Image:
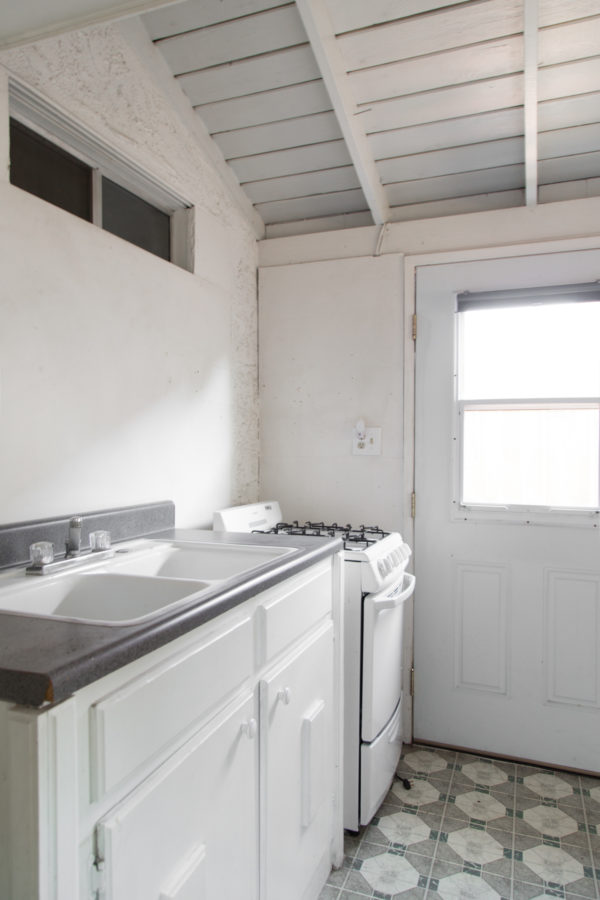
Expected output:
{"points": [[73, 543]]}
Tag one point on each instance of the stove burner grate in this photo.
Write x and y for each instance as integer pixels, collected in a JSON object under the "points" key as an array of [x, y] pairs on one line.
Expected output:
{"points": [[354, 538]]}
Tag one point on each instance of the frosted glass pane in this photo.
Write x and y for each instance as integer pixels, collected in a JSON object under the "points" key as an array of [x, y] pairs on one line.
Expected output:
{"points": [[530, 351], [531, 457]]}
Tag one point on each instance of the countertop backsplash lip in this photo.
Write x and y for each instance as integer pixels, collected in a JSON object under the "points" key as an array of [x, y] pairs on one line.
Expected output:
{"points": [[124, 523]]}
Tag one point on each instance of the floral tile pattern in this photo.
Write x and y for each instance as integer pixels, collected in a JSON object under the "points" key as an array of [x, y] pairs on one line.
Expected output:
{"points": [[475, 828]]}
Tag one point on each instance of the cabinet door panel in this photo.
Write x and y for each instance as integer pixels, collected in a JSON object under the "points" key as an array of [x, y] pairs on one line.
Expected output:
{"points": [[297, 769], [172, 838]]}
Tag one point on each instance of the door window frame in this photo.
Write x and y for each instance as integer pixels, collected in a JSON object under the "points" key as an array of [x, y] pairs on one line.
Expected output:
{"points": [[513, 513]]}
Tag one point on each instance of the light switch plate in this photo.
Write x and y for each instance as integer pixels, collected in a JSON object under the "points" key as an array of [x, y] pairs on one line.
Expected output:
{"points": [[371, 446]]}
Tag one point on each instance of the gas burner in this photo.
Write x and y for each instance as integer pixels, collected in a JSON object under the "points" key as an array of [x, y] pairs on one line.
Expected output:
{"points": [[354, 538]]}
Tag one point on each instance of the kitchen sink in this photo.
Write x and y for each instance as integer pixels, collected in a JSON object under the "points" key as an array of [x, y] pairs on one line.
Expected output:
{"points": [[179, 559], [100, 598], [140, 581]]}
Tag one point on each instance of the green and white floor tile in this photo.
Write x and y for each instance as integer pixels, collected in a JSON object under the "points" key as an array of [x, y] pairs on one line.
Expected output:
{"points": [[475, 828]]}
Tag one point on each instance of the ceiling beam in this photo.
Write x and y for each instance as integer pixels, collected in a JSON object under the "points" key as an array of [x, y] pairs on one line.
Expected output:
{"points": [[30, 20], [530, 44], [333, 71]]}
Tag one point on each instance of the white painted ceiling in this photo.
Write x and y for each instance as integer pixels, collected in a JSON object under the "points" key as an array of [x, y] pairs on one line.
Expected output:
{"points": [[339, 113]]}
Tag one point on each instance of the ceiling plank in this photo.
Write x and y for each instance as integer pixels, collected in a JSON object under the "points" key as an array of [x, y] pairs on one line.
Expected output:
{"points": [[463, 131], [530, 92], [201, 13], [569, 79], [310, 183], [574, 40], [569, 112], [553, 12], [312, 158], [569, 168], [278, 135], [349, 15], [449, 103], [450, 67], [322, 38], [445, 187], [487, 155], [569, 141], [249, 76], [252, 35], [458, 205], [319, 205], [469, 23], [266, 106]]}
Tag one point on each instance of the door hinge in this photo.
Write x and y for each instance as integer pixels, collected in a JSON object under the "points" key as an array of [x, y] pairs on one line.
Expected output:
{"points": [[414, 327], [413, 505], [97, 878], [412, 681]]}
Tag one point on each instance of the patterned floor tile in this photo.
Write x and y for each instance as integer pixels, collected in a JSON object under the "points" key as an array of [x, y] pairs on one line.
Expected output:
{"points": [[550, 820], [464, 886], [420, 793], [480, 807], [475, 846], [553, 865], [476, 828], [389, 873], [425, 761], [484, 773]]}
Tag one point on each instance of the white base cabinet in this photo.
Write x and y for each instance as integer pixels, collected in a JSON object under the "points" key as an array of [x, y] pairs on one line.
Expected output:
{"points": [[209, 769]]}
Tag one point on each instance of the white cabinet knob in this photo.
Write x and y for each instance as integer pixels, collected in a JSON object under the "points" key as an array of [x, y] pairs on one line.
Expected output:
{"points": [[285, 695], [249, 728]]}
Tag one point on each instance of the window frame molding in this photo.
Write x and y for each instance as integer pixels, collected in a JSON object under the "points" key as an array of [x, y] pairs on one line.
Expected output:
{"points": [[35, 112], [512, 514]]}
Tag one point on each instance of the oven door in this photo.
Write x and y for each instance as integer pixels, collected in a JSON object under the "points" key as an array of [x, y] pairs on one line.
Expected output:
{"points": [[383, 615]]}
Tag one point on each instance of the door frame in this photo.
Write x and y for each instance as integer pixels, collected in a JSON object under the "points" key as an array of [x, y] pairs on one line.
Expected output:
{"points": [[411, 265]]}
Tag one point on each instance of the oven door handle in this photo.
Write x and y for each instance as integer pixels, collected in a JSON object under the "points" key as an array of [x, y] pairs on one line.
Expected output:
{"points": [[391, 601]]}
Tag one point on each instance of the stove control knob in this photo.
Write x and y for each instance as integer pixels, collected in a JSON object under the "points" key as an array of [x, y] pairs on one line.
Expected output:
{"points": [[382, 567]]}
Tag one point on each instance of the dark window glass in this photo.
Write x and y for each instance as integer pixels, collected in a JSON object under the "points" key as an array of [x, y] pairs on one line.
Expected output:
{"points": [[43, 169], [136, 221]]}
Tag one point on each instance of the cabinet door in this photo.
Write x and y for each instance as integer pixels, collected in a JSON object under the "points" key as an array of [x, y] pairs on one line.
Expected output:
{"points": [[297, 771], [190, 830]]}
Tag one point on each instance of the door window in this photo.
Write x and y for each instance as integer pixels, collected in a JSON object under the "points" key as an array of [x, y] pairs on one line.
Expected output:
{"points": [[528, 399]]}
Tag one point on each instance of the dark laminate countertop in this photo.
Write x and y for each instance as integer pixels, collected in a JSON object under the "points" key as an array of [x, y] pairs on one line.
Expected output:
{"points": [[45, 660]]}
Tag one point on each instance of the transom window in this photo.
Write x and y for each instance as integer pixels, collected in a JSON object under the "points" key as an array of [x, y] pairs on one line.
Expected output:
{"points": [[528, 398]]}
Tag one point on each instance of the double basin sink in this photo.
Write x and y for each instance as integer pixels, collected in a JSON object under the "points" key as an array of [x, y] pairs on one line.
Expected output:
{"points": [[141, 581]]}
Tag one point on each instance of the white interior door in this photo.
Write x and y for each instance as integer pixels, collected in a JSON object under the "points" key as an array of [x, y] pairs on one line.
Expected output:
{"points": [[507, 608]]}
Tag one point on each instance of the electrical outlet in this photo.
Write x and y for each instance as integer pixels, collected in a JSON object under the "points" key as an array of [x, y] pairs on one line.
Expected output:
{"points": [[371, 446]]}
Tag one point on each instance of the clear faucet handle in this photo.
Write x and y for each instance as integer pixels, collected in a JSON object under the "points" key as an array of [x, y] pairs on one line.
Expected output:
{"points": [[99, 540], [41, 553]]}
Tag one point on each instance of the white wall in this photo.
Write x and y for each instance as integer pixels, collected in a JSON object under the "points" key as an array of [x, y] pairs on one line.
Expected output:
{"points": [[123, 379], [331, 353], [323, 297]]}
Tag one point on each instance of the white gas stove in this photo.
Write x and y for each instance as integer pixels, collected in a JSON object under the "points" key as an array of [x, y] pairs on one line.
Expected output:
{"points": [[376, 589]]}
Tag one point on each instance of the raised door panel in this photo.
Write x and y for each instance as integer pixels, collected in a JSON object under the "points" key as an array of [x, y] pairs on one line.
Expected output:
{"points": [[172, 838], [297, 771]]}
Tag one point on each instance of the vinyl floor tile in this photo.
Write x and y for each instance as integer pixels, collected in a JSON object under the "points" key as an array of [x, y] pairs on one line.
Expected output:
{"points": [[475, 828]]}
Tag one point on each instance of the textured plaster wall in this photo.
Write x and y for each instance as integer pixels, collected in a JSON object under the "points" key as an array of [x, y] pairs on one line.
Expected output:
{"points": [[123, 379]]}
